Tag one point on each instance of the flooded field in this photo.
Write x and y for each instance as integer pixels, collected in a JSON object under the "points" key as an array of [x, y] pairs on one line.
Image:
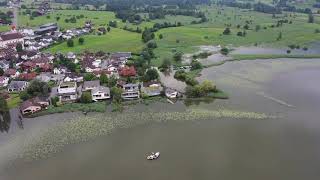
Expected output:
{"points": [[268, 129]]}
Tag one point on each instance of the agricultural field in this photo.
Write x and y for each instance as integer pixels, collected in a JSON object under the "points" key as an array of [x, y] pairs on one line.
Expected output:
{"points": [[115, 40]]}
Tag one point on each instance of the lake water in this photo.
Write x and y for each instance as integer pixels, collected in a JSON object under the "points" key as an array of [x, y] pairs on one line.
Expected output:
{"points": [[287, 147]]}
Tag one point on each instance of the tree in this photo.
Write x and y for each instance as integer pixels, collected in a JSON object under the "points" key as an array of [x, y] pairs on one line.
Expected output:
{"points": [[116, 94], [178, 56], [317, 31], [311, 18], [81, 40], [4, 115], [279, 36], [1, 71], [224, 51], [19, 47], [113, 24], [246, 27], [160, 36], [112, 81], [86, 97], [35, 88], [195, 65], [70, 43], [54, 101], [151, 74], [89, 77], [152, 44], [108, 28], [57, 18], [227, 31], [104, 79], [166, 64], [258, 27]]}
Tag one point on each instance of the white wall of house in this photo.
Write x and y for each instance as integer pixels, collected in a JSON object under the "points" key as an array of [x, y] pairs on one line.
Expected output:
{"points": [[100, 96]]}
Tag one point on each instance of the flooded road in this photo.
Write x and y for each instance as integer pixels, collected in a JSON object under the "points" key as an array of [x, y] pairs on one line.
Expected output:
{"points": [[286, 147]]}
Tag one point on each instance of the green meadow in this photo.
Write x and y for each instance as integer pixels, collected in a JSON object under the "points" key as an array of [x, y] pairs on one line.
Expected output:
{"points": [[99, 18], [188, 37], [115, 40]]}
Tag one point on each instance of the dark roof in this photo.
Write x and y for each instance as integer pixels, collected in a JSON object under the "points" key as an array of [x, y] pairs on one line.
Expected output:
{"points": [[16, 84], [10, 36], [87, 84]]}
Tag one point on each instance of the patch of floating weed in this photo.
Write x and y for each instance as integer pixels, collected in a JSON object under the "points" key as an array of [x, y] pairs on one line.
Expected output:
{"points": [[86, 128]]}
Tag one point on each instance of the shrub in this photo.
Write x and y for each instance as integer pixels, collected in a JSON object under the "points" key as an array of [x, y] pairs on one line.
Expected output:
{"points": [[86, 97], [224, 51], [70, 43]]}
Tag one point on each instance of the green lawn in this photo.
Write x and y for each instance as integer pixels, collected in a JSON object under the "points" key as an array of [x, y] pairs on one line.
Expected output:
{"points": [[116, 40], [14, 100]]}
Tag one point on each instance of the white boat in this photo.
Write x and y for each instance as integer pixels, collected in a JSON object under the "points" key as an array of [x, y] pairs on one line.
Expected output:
{"points": [[153, 156]]}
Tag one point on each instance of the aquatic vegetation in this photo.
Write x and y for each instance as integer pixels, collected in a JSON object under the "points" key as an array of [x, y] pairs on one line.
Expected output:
{"points": [[82, 129]]}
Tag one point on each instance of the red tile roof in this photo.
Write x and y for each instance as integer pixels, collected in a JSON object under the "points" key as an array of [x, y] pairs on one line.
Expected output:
{"points": [[128, 71], [28, 76]]}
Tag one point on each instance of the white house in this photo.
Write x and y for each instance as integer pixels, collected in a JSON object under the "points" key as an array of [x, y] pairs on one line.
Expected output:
{"points": [[67, 91], [130, 91], [17, 86], [100, 93], [4, 81], [9, 38]]}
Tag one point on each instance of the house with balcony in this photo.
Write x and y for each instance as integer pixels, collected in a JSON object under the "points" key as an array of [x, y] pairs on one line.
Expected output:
{"points": [[67, 92], [100, 93], [130, 91]]}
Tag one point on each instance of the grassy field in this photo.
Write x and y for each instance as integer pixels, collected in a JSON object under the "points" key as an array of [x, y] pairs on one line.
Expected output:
{"points": [[14, 100], [115, 40], [188, 37], [97, 17], [210, 33]]}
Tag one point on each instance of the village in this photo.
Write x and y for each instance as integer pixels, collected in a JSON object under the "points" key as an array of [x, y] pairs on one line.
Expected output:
{"points": [[68, 78]]}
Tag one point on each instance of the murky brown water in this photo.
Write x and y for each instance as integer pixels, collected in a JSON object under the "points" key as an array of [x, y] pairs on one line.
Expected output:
{"points": [[279, 149]]}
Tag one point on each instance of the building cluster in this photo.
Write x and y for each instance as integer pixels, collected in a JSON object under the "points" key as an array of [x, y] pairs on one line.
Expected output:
{"points": [[19, 67]]}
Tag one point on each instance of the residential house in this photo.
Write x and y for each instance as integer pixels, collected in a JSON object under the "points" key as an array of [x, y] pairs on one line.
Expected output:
{"points": [[44, 77], [60, 70], [46, 28], [73, 77], [152, 88], [4, 65], [28, 66], [121, 55], [89, 85], [67, 92], [28, 76], [12, 73], [90, 64], [29, 55], [128, 71], [100, 93], [10, 38], [17, 86], [72, 56], [34, 105], [130, 91], [4, 81]]}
